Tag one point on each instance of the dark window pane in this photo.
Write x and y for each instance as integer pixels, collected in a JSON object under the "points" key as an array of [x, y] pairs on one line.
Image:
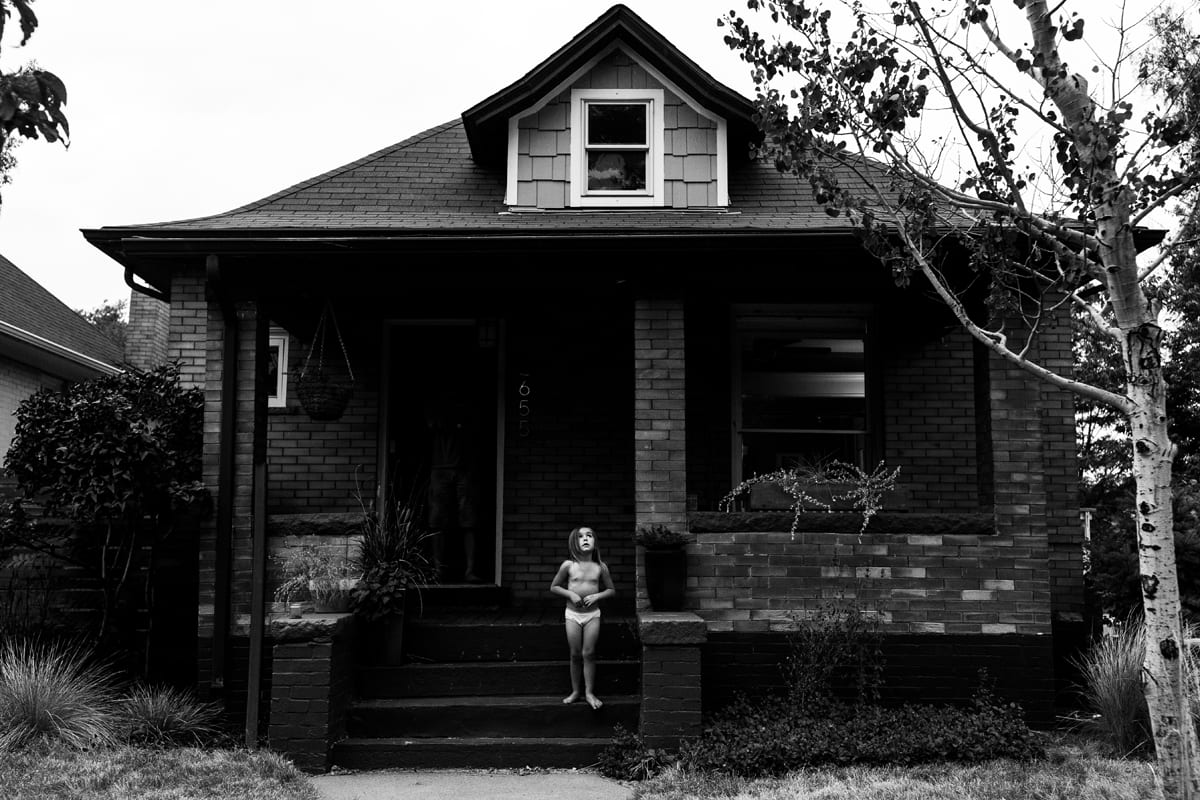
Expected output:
{"points": [[616, 123], [616, 170]]}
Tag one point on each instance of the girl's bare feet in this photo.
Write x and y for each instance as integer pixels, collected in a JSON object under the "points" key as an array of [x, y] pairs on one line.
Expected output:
{"points": [[593, 701], [571, 698]]}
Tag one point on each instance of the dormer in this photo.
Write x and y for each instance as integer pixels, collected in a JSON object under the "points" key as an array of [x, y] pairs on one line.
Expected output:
{"points": [[617, 118]]}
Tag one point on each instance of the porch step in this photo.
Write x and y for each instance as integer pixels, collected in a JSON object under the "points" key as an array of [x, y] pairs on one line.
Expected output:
{"points": [[496, 678], [490, 716], [429, 640], [445, 753], [482, 686]]}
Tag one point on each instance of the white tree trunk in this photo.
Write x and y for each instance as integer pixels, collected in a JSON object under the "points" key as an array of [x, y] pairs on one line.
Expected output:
{"points": [[1174, 736]]}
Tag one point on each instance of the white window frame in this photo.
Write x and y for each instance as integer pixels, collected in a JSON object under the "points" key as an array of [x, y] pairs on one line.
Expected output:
{"points": [[654, 194], [277, 395]]}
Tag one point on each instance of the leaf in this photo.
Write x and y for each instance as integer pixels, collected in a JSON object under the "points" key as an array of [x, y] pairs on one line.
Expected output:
{"points": [[1074, 32]]}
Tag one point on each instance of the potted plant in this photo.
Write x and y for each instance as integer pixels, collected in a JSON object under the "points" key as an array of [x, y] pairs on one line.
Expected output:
{"points": [[665, 558], [323, 574], [391, 555]]}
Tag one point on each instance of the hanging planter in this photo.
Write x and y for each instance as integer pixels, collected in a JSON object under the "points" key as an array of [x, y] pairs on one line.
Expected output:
{"points": [[323, 393]]}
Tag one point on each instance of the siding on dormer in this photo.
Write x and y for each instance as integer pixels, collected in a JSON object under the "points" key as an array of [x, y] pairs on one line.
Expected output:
{"points": [[544, 142]]}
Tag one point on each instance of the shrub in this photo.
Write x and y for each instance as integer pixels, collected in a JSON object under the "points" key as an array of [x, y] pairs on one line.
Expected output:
{"points": [[54, 694], [627, 758], [773, 736], [163, 716], [839, 640]]}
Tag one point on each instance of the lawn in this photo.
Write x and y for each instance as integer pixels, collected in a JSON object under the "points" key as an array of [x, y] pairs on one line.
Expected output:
{"points": [[1072, 770], [136, 773]]}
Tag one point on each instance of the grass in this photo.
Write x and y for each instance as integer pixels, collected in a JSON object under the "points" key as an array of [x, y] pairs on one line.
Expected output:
{"points": [[164, 716], [54, 693], [136, 773], [1074, 769]]}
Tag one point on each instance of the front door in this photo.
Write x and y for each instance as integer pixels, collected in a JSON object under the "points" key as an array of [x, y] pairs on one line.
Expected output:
{"points": [[441, 397]]}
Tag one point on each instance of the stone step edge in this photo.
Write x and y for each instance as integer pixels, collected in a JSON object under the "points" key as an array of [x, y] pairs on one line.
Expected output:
{"points": [[474, 701]]}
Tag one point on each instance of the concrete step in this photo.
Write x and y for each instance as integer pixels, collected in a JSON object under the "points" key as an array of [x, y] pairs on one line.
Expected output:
{"points": [[449, 753], [488, 717], [491, 678], [433, 640]]}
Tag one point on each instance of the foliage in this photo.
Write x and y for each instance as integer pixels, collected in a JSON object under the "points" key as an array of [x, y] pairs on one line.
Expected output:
{"points": [[1111, 670], [661, 537], [163, 716], [54, 693], [129, 773], [391, 555], [839, 638], [111, 319], [844, 482], [774, 736], [112, 449], [31, 98], [320, 573], [627, 758], [117, 458]]}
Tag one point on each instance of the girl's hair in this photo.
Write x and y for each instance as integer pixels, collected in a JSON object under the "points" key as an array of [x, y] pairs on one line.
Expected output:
{"points": [[573, 544]]}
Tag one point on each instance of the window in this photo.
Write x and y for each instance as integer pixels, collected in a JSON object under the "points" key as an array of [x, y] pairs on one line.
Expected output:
{"points": [[616, 147], [802, 383], [277, 360]]}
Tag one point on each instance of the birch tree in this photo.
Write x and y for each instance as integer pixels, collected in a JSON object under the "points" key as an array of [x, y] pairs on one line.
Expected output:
{"points": [[935, 127]]}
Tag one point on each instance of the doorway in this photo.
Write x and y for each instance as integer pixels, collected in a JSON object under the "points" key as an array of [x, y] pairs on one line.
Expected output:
{"points": [[440, 426]]}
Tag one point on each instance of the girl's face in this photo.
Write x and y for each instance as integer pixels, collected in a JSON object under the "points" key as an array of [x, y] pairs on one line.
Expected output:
{"points": [[586, 540]]}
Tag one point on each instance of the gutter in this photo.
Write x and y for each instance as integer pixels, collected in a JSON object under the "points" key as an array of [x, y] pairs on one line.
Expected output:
{"points": [[149, 291], [58, 350]]}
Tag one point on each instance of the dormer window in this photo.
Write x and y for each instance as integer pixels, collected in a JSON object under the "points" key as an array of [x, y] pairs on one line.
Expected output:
{"points": [[617, 147]]}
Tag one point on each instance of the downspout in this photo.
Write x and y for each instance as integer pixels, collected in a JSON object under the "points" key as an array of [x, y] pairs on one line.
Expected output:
{"points": [[258, 530], [225, 477], [149, 291]]}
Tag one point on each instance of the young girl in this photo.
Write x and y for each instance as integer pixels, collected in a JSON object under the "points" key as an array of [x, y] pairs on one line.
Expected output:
{"points": [[584, 581]]}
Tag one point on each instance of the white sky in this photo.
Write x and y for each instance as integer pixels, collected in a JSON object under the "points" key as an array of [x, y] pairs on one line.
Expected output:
{"points": [[183, 108]]}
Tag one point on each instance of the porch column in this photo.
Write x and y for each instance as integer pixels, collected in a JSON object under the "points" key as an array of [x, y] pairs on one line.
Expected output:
{"points": [[660, 429]]}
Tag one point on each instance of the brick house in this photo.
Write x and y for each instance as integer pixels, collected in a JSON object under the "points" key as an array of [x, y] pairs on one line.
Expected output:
{"points": [[641, 317], [43, 344]]}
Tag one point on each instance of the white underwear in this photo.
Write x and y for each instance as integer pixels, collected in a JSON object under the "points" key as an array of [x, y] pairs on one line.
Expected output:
{"points": [[582, 618]]}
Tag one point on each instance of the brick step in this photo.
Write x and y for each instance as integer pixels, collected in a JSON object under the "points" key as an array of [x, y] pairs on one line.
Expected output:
{"points": [[434, 640], [448, 753], [479, 716], [614, 677]]}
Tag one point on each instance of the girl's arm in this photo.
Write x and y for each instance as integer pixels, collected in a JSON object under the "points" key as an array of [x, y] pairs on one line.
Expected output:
{"points": [[557, 586], [607, 591]]}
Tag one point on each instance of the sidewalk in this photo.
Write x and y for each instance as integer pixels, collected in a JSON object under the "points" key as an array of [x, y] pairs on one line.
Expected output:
{"points": [[457, 784]]}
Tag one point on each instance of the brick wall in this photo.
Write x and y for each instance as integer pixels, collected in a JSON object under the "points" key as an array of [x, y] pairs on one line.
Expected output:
{"points": [[322, 467], [575, 465], [149, 327], [939, 583], [929, 420]]}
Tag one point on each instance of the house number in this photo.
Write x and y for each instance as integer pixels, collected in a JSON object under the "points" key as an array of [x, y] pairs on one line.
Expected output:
{"points": [[524, 410]]}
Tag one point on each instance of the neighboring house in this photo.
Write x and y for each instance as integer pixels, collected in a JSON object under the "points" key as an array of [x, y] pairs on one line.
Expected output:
{"points": [[43, 344], [639, 317]]}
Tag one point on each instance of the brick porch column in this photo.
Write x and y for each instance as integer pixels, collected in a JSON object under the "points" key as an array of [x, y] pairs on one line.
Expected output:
{"points": [[311, 680], [671, 643], [660, 430]]}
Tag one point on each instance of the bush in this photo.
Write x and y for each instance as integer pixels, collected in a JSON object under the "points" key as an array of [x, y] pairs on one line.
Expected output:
{"points": [[840, 642], [1113, 692], [627, 758], [773, 736], [167, 717], [54, 694]]}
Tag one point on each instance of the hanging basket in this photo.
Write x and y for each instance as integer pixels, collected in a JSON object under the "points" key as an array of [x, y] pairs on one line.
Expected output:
{"points": [[323, 393]]}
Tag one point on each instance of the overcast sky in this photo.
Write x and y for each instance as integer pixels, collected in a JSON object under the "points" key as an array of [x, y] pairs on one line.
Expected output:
{"points": [[182, 108]]}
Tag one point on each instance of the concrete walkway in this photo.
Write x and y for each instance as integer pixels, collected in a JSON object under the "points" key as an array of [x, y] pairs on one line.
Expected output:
{"points": [[460, 784]]}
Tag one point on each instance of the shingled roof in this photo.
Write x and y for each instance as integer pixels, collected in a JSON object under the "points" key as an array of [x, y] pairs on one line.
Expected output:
{"points": [[36, 325], [430, 183]]}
